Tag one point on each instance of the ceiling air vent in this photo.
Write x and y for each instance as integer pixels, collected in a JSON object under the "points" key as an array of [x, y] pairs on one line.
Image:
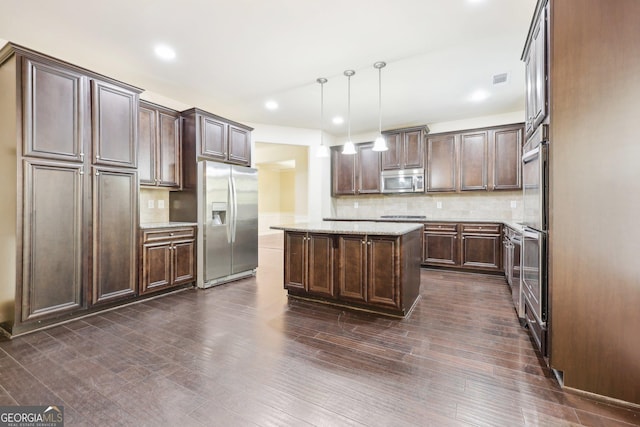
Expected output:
{"points": [[500, 78]]}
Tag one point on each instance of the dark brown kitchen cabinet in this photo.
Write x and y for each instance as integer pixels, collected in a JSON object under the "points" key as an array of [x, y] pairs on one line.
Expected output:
{"points": [[506, 153], [440, 244], [54, 111], [355, 174], [474, 246], [442, 170], [159, 142], [72, 228], [367, 169], [481, 246], [216, 138], [54, 245], [536, 74], [167, 258], [309, 263], [484, 159], [405, 148], [368, 270], [473, 160], [114, 113], [115, 225]]}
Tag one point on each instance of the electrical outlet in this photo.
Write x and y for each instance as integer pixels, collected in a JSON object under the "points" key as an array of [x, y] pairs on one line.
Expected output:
{"points": [[160, 204], [355, 205], [439, 205], [150, 204], [514, 204]]}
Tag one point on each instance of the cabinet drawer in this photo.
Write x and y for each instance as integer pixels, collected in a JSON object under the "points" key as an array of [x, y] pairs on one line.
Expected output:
{"points": [[441, 227], [481, 228], [157, 234]]}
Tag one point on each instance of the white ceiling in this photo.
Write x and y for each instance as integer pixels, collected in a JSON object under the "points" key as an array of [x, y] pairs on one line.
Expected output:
{"points": [[232, 56]]}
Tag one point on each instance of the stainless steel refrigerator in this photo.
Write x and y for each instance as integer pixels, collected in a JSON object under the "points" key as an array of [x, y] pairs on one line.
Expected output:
{"points": [[230, 223], [223, 199]]}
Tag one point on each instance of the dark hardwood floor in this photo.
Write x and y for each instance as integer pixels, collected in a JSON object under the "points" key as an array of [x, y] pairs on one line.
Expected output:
{"points": [[241, 354]]}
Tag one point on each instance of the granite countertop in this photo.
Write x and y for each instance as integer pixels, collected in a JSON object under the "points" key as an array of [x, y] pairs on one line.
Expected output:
{"points": [[147, 225], [352, 227], [511, 223]]}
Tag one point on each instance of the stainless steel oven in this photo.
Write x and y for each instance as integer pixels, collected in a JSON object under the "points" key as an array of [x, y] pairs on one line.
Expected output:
{"points": [[535, 180]]}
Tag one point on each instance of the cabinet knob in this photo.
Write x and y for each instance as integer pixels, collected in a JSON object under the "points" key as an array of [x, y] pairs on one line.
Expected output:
{"points": [[97, 156], [171, 234], [369, 242]]}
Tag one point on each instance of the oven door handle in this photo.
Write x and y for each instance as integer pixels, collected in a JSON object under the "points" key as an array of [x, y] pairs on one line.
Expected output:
{"points": [[531, 155]]}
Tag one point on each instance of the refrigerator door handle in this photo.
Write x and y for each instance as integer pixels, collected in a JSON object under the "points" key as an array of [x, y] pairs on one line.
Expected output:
{"points": [[230, 210], [234, 208]]}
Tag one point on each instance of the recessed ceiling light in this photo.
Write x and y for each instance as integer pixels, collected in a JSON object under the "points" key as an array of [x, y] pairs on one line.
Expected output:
{"points": [[479, 95], [337, 120], [165, 52], [271, 105]]}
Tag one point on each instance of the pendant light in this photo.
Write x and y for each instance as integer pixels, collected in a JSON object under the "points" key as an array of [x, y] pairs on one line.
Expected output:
{"points": [[380, 144], [349, 148], [323, 150]]}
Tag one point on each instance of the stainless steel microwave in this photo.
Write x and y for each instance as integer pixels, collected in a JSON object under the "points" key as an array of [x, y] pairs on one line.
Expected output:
{"points": [[402, 181]]}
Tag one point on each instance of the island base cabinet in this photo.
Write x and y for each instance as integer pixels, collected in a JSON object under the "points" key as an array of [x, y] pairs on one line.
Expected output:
{"points": [[376, 273], [309, 263]]}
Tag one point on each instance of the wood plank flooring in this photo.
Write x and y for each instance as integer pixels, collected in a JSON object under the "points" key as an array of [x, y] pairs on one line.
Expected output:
{"points": [[243, 355]]}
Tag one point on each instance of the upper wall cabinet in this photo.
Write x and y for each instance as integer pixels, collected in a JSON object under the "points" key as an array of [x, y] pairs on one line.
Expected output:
{"points": [[355, 174], [216, 138], [54, 111], [115, 124], [535, 57], [479, 159], [160, 144], [406, 148]]}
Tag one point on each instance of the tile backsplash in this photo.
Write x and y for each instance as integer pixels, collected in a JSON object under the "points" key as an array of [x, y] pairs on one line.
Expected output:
{"points": [[154, 205], [500, 206]]}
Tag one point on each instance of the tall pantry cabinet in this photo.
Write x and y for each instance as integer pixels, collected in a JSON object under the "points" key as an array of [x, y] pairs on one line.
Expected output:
{"points": [[68, 222]]}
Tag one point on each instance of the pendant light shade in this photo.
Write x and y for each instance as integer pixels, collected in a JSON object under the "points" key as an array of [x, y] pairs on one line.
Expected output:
{"points": [[323, 150], [380, 143], [349, 148]]}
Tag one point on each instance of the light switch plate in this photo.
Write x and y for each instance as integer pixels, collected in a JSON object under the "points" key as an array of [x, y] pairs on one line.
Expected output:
{"points": [[514, 204], [439, 205], [160, 204], [150, 204], [355, 205]]}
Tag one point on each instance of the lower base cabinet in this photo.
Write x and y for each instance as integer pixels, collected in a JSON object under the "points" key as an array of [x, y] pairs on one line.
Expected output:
{"points": [[471, 246], [167, 258], [371, 272]]}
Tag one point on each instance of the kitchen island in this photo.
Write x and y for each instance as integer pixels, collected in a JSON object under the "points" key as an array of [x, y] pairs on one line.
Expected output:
{"points": [[372, 266]]}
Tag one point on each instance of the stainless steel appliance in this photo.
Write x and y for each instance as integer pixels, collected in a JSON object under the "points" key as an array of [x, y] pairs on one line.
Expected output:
{"points": [[230, 222], [402, 181], [512, 267], [224, 201], [534, 244]]}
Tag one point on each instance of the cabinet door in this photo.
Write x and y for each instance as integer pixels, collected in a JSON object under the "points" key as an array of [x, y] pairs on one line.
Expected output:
{"points": [[481, 251], [343, 169], [473, 161], [169, 159], [156, 267], [115, 220], [239, 146], [383, 271], [147, 145], [529, 81], [507, 159], [320, 264], [184, 265], [352, 266], [540, 73], [368, 173], [115, 122], [392, 158], [213, 139], [413, 149], [53, 246], [295, 260], [440, 248], [54, 111], [441, 158]]}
